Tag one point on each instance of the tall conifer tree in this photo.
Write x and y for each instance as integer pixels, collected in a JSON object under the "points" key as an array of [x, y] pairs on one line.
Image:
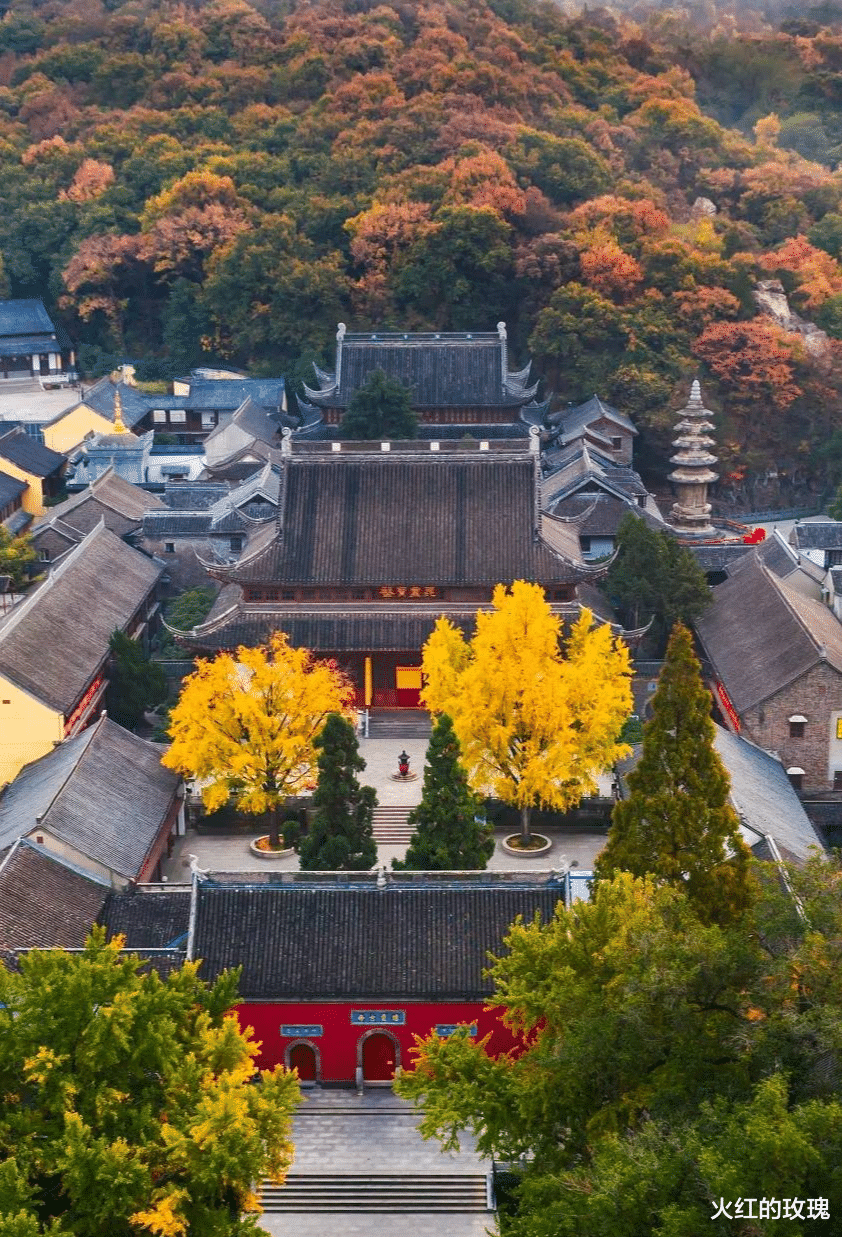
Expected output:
{"points": [[677, 823], [380, 409], [340, 837], [447, 834]]}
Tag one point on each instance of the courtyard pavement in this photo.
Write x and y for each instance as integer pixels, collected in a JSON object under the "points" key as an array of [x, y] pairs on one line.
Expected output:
{"points": [[573, 848], [23, 400]]}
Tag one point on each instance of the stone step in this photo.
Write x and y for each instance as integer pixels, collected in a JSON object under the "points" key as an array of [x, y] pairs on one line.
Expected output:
{"points": [[400, 724], [397, 1192], [390, 827]]}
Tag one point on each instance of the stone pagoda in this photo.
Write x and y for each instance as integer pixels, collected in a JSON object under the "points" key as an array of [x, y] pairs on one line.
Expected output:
{"points": [[691, 513]]}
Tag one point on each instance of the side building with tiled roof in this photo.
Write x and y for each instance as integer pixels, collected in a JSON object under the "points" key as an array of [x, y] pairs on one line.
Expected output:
{"points": [[599, 425], [372, 545], [31, 344], [24, 458], [101, 800], [54, 644], [45, 901], [820, 541], [94, 414], [109, 498], [339, 976], [775, 665]]}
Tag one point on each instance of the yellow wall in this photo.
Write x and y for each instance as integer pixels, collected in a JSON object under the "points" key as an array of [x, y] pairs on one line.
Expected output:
{"points": [[28, 729], [68, 431], [32, 499]]}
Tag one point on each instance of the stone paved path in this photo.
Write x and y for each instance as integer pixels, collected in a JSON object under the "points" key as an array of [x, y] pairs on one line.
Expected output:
{"points": [[343, 1131]]}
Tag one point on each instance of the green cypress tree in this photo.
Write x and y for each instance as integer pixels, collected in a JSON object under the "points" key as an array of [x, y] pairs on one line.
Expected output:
{"points": [[340, 836], [134, 682], [380, 409], [447, 834], [677, 823], [654, 576]]}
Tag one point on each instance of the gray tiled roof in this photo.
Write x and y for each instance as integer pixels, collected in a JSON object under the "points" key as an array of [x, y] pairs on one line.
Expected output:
{"points": [[176, 523], [24, 317], [390, 519], [330, 628], [572, 422], [299, 942], [53, 643], [150, 920], [29, 454], [103, 792], [44, 902], [220, 394], [817, 535], [578, 467], [10, 488], [597, 515], [109, 497], [764, 798], [26, 327], [760, 635], [440, 370], [135, 404], [194, 495]]}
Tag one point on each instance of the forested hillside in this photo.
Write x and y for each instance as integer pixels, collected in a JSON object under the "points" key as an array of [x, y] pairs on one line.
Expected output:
{"points": [[229, 180]]}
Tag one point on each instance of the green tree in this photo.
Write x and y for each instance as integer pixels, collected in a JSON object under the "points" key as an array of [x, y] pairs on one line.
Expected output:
{"points": [[666, 1062], [677, 823], [448, 834], [653, 576], [134, 682], [380, 409], [127, 1101], [186, 610], [185, 325], [581, 335], [17, 556], [340, 836], [458, 268]]}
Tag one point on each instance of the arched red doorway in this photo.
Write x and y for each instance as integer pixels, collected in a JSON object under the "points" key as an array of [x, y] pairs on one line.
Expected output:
{"points": [[303, 1057], [380, 1057]]}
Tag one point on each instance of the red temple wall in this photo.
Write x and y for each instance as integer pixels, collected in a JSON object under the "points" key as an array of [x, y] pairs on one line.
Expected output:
{"points": [[338, 1044]]}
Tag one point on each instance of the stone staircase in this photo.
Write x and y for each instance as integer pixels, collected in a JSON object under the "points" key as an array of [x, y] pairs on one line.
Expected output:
{"points": [[390, 827], [399, 724], [384, 1192]]}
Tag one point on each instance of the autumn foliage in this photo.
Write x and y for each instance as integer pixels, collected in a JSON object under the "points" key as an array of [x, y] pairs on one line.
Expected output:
{"points": [[431, 167], [246, 723], [536, 726]]}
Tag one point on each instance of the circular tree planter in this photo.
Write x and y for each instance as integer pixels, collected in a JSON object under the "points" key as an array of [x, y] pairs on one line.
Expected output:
{"points": [[512, 845], [256, 849]]}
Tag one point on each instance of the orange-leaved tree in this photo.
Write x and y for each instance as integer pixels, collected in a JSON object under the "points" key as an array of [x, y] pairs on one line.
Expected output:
{"points": [[536, 725], [245, 724]]}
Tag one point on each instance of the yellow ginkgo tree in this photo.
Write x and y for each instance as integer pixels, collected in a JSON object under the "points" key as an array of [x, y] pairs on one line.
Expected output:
{"points": [[536, 723], [245, 724]]}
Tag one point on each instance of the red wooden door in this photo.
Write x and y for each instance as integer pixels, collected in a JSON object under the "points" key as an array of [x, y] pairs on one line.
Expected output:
{"points": [[378, 1059], [303, 1059]]}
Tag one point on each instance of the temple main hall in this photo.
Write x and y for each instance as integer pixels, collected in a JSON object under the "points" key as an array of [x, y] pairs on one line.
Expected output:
{"points": [[374, 541]]}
